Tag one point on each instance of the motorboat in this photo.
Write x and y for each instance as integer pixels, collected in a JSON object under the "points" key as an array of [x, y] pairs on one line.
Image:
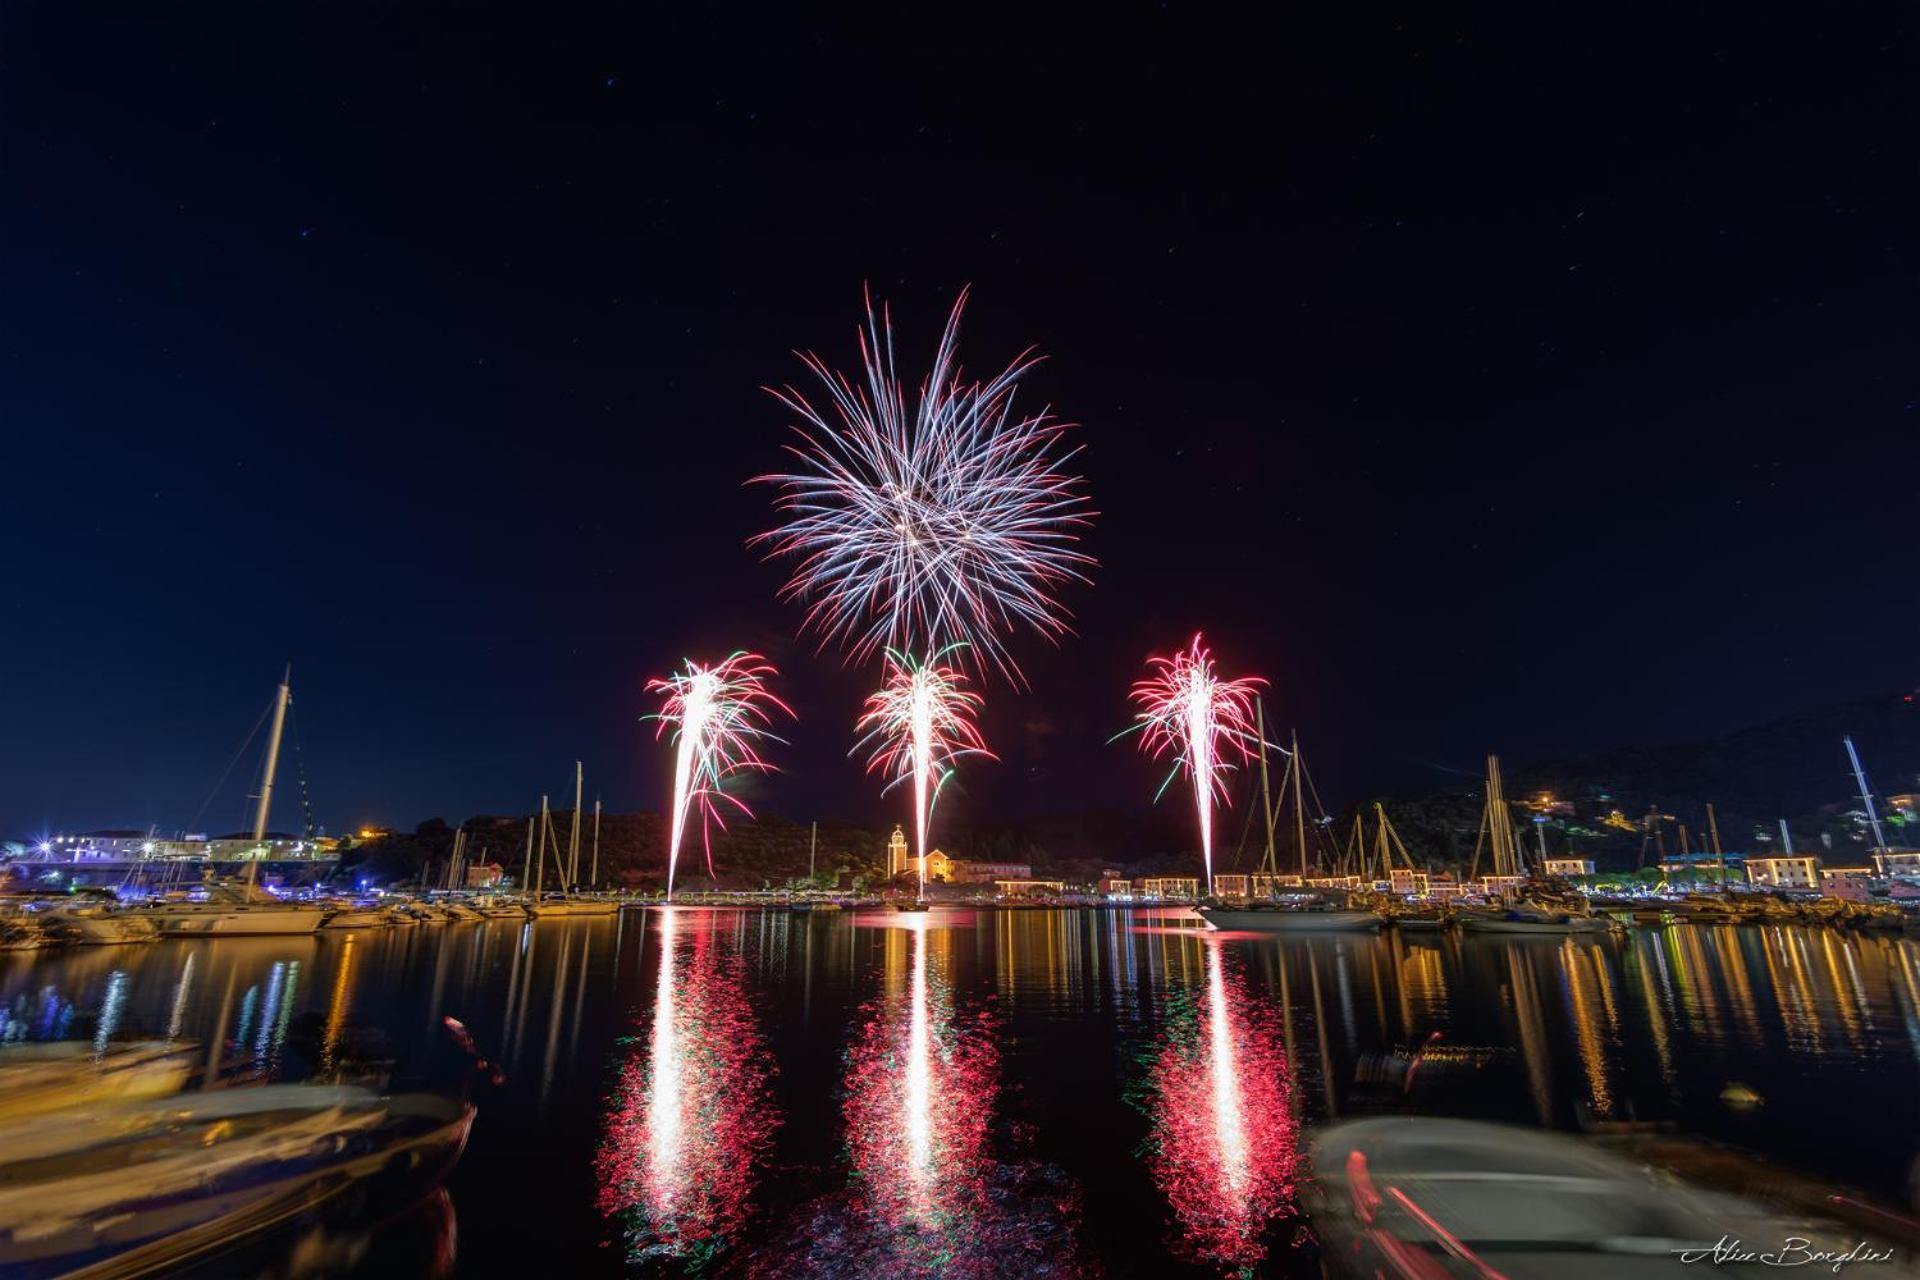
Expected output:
{"points": [[234, 909], [1295, 913], [148, 1187], [904, 904], [356, 916], [1288, 920], [46, 1076], [1525, 918], [500, 909], [1419, 1197], [99, 924], [1420, 917], [593, 906], [20, 931]]}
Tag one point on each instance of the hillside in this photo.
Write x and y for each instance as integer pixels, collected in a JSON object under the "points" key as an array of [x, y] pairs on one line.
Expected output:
{"points": [[1793, 768]]}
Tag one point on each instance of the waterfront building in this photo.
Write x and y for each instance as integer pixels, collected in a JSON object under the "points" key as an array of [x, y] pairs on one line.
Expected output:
{"points": [[1703, 865], [947, 869], [1849, 883], [144, 846], [1787, 871], [1184, 888], [1494, 886], [1230, 886], [1898, 862], [484, 875], [967, 871], [1569, 866], [1272, 886], [1115, 887], [1029, 888], [1408, 883]]}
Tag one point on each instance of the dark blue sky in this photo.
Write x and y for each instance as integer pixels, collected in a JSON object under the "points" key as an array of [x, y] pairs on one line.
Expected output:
{"points": [[1487, 385]]}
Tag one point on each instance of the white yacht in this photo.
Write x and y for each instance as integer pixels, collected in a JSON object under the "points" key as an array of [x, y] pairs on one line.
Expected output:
{"points": [[237, 909], [100, 924]]}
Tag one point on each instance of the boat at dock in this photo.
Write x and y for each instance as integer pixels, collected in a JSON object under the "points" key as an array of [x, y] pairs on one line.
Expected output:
{"points": [[1532, 919], [147, 1187], [97, 924], [355, 916], [230, 908], [1426, 918], [234, 910], [1313, 917], [23, 931]]}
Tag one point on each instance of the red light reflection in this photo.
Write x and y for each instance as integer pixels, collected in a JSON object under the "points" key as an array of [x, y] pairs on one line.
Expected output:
{"points": [[693, 1115], [1223, 1145], [920, 1095]]}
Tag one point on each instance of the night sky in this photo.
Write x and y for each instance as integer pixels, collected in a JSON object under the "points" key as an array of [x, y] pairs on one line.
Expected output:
{"points": [[1486, 385]]}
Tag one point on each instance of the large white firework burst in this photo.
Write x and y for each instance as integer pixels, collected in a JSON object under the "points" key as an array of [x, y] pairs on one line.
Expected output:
{"points": [[950, 523]]}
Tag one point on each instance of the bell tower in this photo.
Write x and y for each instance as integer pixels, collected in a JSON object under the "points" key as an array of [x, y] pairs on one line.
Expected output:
{"points": [[899, 860]]}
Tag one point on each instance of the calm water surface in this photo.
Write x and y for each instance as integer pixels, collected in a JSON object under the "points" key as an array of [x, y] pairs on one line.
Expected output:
{"points": [[995, 1092]]}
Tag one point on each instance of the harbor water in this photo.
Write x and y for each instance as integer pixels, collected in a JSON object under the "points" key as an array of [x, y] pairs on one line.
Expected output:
{"points": [[992, 1092]]}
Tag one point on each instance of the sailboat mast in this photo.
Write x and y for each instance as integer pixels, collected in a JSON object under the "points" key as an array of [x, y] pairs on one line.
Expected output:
{"points": [[1866, 794], [573, 833], [1719, 856], [1299, 808], [1383, 861], [273, 755], [540, 863], [1268, 863], [593, 876], [265, 806], [526, 874], [1493, 816]]}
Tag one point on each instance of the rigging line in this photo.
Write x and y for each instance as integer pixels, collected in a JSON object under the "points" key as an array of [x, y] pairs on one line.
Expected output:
{"points": [[300, 766], [1239, 850], [1320, 827], [227, 772]]}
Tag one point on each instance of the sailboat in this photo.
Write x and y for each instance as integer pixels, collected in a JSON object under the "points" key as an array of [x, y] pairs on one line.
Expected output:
{"points": [[569, 903], [1316, 911], [591, 903], [1513, 909], [242, 907]]}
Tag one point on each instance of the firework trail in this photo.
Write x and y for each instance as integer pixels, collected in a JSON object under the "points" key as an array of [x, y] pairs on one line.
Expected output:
{"points": [[948, 523], [719, 715], [1188, 713], [916, 726]]}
